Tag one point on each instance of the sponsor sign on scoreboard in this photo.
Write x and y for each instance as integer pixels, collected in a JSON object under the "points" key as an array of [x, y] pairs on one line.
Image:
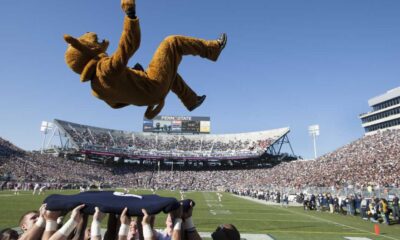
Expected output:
{"points": [[177, 124]]}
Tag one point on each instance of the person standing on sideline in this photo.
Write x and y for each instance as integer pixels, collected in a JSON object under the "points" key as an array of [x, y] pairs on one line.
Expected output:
{"points": [[395, 205]]}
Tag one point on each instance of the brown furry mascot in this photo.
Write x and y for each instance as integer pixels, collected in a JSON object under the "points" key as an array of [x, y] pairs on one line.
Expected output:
{"points": [[118, 85]]}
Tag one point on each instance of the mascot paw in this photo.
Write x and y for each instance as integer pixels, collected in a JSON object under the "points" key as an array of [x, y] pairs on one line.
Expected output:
{"points": [[127, 5], [222, 41], [200, 100]]}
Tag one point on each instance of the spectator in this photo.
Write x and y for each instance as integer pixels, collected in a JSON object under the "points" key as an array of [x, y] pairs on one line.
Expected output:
{"points": [[364, 208], [395, 205], [384, 209]]}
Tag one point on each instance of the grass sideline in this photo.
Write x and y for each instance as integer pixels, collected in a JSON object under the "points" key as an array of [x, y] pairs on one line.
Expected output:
{"points": [[247, 216]]}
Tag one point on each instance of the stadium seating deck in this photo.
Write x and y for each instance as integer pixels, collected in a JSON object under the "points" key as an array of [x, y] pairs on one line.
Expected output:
{"points": [[218, 146]]}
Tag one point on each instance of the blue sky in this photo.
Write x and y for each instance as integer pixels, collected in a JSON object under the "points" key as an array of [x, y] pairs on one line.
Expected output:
{"points": [[287, 63]]}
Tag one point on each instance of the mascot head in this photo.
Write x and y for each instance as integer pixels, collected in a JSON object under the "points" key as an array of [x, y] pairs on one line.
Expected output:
{"points": [[81, 50]]}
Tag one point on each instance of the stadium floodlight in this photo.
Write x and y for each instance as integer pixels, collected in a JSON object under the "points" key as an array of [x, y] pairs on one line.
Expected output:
{"points": [[44, 128], [313, 130]]}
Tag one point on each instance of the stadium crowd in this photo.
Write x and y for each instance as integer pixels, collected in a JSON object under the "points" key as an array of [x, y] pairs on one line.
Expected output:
{"points": [[369, 161], [170, 145], [8, 149], [35, 167]]}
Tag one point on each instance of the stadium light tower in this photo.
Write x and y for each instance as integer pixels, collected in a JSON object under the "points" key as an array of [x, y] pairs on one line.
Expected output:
{"points": [[313, 130], [45, 128]]}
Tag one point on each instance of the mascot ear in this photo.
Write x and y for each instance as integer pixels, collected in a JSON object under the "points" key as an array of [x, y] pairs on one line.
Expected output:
{"points": [[71, 40], [68, 38], [78, 45], [104, 45]]}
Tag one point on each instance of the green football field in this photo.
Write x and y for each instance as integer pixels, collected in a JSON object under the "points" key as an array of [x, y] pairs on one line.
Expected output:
{"points": [[248, 216]]}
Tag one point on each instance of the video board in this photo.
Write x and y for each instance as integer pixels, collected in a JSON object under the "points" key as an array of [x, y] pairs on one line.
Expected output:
{"points": [[177, 124]]}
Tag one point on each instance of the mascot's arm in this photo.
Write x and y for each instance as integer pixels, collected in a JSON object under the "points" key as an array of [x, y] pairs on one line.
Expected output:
{"points": [[128, 45]]}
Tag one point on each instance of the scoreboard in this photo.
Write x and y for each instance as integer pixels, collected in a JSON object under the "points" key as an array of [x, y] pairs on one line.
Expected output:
{"points": [[177, 124]]}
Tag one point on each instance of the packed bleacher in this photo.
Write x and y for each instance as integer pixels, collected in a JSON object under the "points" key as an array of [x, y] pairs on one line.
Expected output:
{"points": [[372, 160], [243, 145], [9, 149], [35, 167]]}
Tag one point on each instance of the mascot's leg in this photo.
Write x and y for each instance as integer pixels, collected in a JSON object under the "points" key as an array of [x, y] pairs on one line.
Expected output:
{"points": [[184, 92], [164, 65]]}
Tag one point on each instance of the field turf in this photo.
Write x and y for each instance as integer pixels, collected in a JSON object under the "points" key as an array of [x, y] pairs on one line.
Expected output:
{"points": [[248, 216]]}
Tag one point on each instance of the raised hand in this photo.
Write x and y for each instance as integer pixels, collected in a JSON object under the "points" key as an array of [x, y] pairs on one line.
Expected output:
{"points": [[189, 212], [98, 215], [124, 218], [147, 230], [42, 210], [127, 4], [76, 215], [177, 213], [52, 215], [146, 217]]}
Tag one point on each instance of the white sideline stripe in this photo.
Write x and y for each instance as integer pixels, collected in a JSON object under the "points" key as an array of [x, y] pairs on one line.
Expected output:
{"points": [[247, 236], [357, 238], [262, 213], [320, 219], [267, 220]]}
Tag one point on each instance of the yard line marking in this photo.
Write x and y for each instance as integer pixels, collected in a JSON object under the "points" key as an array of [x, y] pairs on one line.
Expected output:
{"points": [[220, 212], [212, 207], [357, 238], [215, 205]]}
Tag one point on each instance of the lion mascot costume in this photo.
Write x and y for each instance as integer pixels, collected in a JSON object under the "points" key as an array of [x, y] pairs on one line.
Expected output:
{"points": [[118, 85]]}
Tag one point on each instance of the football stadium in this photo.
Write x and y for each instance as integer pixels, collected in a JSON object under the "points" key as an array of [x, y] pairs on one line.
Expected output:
{"points": [[267, 137], [243, 179]]}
